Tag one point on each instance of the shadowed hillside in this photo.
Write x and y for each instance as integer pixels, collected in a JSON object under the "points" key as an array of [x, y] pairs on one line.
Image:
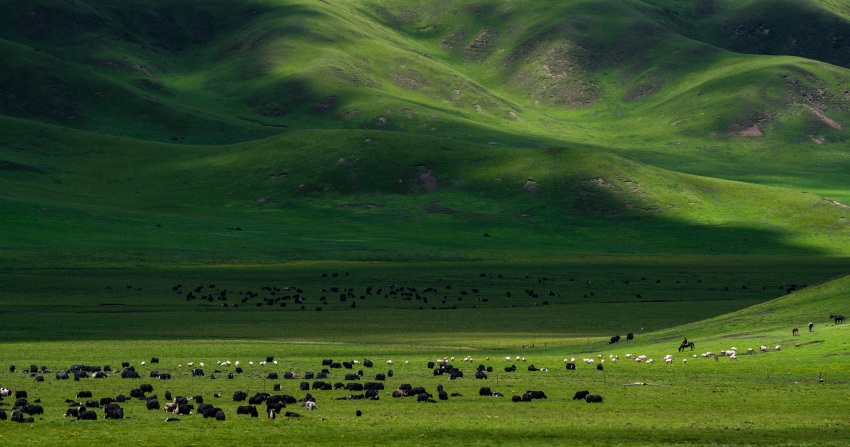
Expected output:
{"points": [[551, 127]]}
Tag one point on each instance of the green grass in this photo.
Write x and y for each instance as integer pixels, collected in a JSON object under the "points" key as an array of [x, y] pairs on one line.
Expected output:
{"points": [[761, 399], [664, 168]]}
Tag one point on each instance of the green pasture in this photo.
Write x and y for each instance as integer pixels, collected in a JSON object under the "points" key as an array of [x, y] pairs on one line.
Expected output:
{"points": [[789, 396], [423, 180]]}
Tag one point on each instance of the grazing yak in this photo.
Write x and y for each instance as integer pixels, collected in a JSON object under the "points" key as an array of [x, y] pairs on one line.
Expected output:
{"points": [[593, 398], [113, 411], [247, 409], [87, 416]]}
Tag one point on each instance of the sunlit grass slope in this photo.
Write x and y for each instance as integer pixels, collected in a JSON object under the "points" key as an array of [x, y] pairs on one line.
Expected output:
{"points": [[394, 128]]}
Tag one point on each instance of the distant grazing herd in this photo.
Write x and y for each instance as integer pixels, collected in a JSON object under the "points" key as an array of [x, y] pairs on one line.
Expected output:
{"points": [[437, 296]]}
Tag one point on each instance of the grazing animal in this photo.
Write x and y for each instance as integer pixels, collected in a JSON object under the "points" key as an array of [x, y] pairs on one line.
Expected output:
{"points": [[87, 416], [795, 330], [581, 395], [247, 409], [310, 405], [593, 398]]}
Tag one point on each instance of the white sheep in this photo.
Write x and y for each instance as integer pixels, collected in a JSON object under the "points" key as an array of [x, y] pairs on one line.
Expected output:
{"points": [[778, 348], [389, 362]]}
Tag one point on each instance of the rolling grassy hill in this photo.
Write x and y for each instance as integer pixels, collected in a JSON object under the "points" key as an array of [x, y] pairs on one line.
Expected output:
{"points": [[143, 134], [412, 180]]}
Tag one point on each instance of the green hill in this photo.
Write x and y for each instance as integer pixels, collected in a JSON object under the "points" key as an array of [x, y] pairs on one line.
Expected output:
{"points": [[553, 127]]}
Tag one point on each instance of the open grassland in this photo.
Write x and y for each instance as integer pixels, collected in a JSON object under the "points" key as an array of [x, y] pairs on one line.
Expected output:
{"points": [[792, 396], [413, 181]]}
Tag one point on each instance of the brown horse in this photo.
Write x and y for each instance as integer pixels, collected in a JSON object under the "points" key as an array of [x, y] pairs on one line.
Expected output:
{"points": [[795, 330]]}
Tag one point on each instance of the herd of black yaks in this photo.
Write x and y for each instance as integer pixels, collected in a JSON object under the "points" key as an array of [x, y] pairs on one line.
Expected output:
{"points": [[442, 295], [280, 296], [84, 407]]}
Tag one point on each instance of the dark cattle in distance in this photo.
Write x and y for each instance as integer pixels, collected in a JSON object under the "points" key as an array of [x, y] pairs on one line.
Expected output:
{"points": [[87, 416], [354, 387], [593, 398], [247, 409], [113, 411], [537, 394], [258, 399], [33, 409], [580, 395]]}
